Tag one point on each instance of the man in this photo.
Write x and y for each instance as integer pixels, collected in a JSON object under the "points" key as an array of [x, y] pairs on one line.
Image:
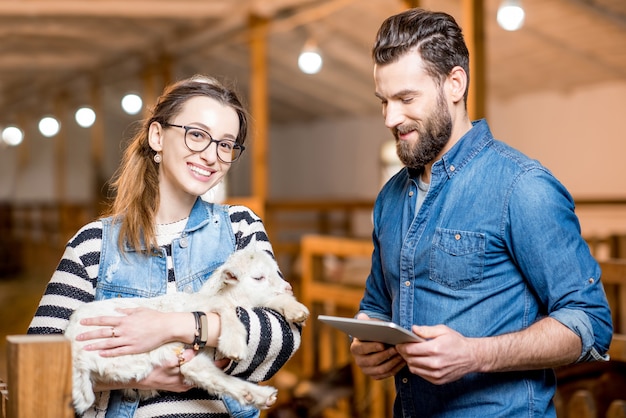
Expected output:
{"points": [[476, 247]]}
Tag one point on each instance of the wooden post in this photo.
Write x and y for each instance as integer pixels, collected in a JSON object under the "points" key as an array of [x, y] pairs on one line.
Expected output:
{"points": [[97, 149], [474, 32], [150, 89], [24, 149], [60, 151], [259, 109], [39, 376], [473, 28], [410, 4]]}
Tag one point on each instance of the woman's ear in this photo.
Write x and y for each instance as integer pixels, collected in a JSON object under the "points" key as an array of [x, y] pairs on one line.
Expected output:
{"points": [[155, 136], [457, 84]]}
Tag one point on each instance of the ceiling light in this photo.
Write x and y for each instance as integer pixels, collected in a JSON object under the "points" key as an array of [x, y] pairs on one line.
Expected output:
{"points": [[510, 15], [49, 126], [85, 117], [131, 103], [12, 135], [310, 61]]}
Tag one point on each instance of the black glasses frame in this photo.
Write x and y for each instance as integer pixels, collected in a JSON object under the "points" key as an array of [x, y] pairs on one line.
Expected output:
{"points": [[217, 142]]}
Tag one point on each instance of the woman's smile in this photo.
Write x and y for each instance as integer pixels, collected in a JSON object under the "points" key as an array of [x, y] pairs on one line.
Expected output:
{"points": [[203, 173]]}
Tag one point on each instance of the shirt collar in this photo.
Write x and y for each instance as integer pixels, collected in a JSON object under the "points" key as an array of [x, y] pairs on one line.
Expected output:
{"points": [[465, 149]]}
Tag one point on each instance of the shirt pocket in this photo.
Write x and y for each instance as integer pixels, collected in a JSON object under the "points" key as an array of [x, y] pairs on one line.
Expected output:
{"points": [[457, 258]]}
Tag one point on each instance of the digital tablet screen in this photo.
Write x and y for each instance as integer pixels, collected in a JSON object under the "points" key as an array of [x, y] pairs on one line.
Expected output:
{"points": [[371, 330]]}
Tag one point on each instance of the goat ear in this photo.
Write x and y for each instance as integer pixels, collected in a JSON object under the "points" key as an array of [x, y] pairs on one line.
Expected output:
{"points": [[229, 278]]}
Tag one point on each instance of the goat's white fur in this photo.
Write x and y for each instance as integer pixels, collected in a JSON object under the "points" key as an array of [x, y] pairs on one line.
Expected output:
{"points": [[248, 279]]}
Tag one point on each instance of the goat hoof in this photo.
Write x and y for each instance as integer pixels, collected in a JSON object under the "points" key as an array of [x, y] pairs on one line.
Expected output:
{"points": [[271, 401]]}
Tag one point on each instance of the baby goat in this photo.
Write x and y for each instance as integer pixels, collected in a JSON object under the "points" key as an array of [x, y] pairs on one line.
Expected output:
{"points": [[247, 279]]}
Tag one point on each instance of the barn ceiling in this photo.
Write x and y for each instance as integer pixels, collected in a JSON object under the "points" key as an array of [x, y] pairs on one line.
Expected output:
{"points": [[63, 48]]}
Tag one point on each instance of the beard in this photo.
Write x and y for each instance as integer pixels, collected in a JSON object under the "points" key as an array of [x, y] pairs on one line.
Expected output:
{"points": [[433, 135]]}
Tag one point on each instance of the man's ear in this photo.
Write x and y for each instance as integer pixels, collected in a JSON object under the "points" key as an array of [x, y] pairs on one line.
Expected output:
{"points": [[456, 84], [155, 136]]}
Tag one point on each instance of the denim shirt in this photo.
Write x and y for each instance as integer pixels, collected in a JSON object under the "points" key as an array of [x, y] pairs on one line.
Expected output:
{"points": [[494, 247], [204, 245]]}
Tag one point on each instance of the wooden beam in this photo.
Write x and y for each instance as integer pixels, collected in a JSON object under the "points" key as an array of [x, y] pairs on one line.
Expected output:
{"points": [[120, 9], [474, 31]]}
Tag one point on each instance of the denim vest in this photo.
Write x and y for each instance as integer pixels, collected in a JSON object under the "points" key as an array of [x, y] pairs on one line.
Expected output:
{"points": [[204, 245]]}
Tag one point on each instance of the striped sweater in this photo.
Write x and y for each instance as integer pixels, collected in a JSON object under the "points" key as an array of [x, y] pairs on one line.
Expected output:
{"points": [[272, 341]]}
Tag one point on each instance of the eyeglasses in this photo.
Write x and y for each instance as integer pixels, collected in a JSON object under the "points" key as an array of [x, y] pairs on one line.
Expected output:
{"points": [[197, 140]]}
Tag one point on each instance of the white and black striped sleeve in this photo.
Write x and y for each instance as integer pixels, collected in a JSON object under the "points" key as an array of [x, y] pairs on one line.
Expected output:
{"points": [[73, 282]]}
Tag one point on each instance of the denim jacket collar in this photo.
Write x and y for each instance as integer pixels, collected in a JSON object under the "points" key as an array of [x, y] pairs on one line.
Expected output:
{"points": [[200, 214]]}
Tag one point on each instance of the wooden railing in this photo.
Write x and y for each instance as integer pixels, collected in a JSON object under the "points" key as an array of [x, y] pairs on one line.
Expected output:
{"points": [[45, 227], [330, 287], [287, 221]]}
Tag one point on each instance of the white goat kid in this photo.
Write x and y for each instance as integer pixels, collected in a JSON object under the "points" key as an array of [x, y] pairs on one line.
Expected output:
{"points": [[247, 279]]}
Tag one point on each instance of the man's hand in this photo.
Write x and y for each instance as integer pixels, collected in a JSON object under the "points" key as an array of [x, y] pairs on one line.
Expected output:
{"points": [[444, 357], [375, 359]]}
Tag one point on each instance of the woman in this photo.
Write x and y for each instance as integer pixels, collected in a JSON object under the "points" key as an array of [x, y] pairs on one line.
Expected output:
{"points": [[159, 237]]}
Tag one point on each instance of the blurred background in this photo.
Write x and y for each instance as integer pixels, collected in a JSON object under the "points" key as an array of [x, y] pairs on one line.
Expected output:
{"points": [[553, 86]]}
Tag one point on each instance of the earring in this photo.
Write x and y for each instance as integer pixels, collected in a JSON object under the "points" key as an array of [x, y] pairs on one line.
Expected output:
{"points": [[157, 158]]}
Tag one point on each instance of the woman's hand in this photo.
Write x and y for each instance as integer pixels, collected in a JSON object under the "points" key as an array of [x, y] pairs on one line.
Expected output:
{"points": [[138, 330], [165, 376]]}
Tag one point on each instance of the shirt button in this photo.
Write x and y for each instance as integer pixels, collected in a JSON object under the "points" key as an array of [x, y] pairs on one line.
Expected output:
{"points": [[457, 237], [405, 380], [411, 193], [591, 280], [407, 283], [188, 289], [452, 168], [183, 243]]}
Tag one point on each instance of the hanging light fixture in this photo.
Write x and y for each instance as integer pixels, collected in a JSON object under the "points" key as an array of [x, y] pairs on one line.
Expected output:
{"points": [[85, 117], [310, 60], [131, 103], [49, 126], [510, 15], [12, 135]]}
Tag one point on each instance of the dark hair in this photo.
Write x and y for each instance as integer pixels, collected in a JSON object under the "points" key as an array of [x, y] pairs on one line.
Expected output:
{"points": [[136, 182], [434, 35]]}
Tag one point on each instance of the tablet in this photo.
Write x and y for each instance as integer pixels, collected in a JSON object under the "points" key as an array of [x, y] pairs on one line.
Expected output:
{"points": [[371, 330]]}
